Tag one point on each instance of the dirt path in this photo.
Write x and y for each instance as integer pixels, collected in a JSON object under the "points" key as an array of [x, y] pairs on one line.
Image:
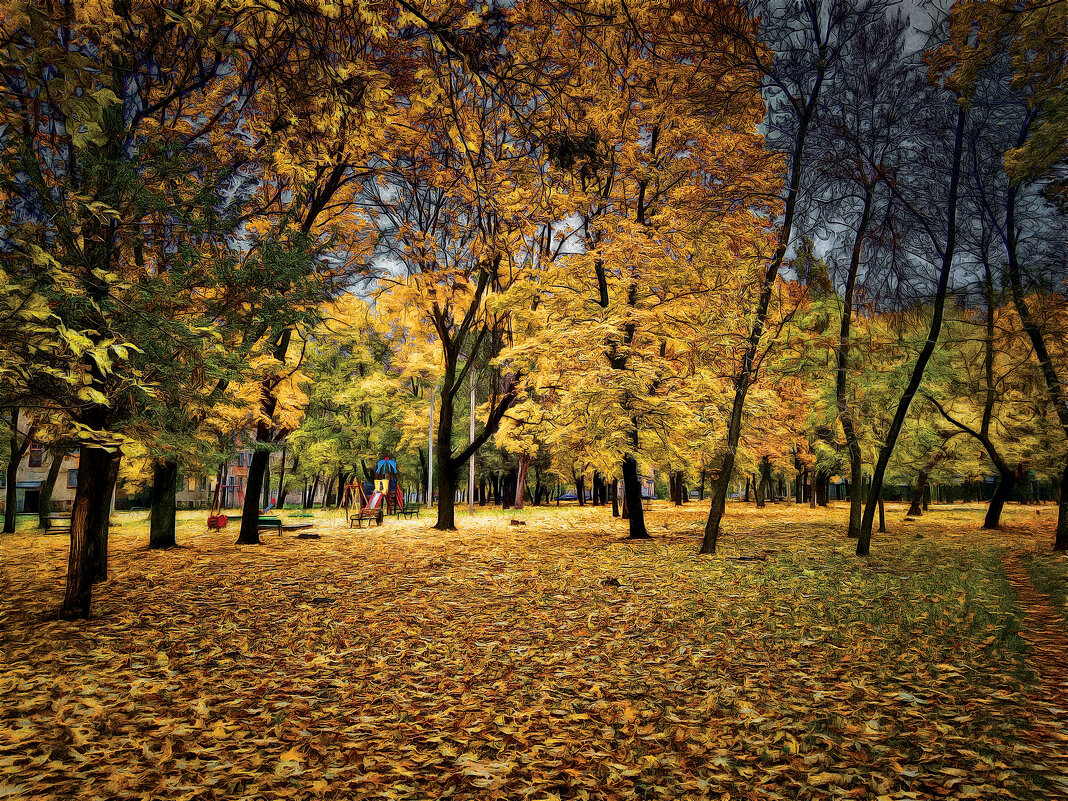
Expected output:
{"points": [[1043, 630]]}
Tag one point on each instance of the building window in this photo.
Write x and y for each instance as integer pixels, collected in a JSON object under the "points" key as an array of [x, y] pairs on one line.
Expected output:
{"points": [[72, 479], [36, 454], [240, 458]]}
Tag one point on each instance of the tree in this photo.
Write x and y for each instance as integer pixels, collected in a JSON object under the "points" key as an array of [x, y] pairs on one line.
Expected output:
{"points": [[116, 123], [659, 183], [795, 59], [864, 126], [1027, 125], [1029, 41], [449, 203], [937, 190]]}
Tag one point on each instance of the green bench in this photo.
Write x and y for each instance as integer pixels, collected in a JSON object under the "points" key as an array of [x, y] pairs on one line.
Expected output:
{"points": [[270, 522], [412, 508]]}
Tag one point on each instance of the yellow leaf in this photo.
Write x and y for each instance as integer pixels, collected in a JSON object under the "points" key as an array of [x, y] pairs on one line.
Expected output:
{"points": [[292, 755]]}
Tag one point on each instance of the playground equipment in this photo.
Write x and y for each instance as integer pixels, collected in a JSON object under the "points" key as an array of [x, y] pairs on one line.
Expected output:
{"points": [[387, 482], [216, 519], [358, 507]]}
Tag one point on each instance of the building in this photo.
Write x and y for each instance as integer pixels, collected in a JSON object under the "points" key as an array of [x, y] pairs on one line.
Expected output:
{"points": [[31, 476]]}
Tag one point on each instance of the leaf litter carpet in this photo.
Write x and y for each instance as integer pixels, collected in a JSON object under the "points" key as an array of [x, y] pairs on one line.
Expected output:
{"points": [[505, 662]]}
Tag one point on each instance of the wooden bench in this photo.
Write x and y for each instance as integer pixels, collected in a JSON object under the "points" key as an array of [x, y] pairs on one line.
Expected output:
{"points": [[357, 518], [52, 520], [411, 508]]}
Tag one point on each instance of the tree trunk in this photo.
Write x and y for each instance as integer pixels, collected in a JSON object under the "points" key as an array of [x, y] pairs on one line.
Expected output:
{"points": [[12, 496], [917, 495], [615, 497], [265, 499], [328, 492], [758, 492], [280, 494], [748, 481], [948, 253], [250, 512], [580, 487], [90, 497], [632, 488], [701, 492], [162, 504], [765, 487], [841, 390], [101, 521], [447, 476], [309, 498], [747, 370], [856, 501], [342, 480], [16, 450], [446, 491], [521, 480], [882, 517], [1002, 493], [507, 489], [1060, 542], [44, 503], [718, 503]]}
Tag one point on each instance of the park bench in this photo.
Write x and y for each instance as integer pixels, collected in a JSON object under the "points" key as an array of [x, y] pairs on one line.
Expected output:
{"points": [[411, 508], [270, 522], [357, 518], [54, 524], [296, 526]]}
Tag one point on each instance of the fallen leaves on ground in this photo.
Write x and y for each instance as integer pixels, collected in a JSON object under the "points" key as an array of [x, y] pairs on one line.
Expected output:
{"points": [[500, 662]]}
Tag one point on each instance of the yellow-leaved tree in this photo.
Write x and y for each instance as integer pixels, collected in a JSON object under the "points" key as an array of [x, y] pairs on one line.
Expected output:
{"points": [[653, 228]]}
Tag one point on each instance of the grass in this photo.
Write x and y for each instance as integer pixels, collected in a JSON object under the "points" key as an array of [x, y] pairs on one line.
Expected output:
{"points": [[550, 660]]}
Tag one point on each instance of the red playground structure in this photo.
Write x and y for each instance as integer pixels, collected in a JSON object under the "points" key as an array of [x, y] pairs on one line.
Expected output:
{"points": [[359, 507]]}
